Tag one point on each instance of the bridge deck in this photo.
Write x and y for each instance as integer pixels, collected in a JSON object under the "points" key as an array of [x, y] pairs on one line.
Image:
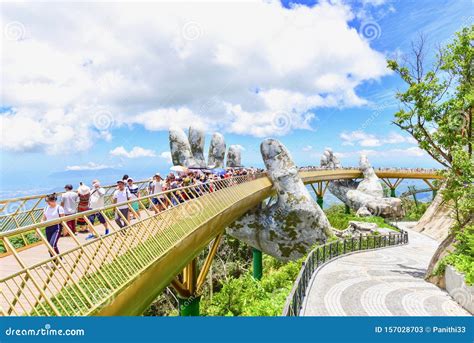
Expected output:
{"points": [[386, 282]]}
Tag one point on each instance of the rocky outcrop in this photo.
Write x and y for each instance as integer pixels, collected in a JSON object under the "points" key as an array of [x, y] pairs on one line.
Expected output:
{"points": [[288, 227], [357, 228], [364, 197], [437, 220]]}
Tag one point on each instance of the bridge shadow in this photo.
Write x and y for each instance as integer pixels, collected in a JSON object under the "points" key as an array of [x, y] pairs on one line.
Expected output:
{"points": [[418, 273]]}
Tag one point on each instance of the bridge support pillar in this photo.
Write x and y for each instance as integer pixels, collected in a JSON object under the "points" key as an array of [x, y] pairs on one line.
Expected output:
{"points": [[189, 307], [257, 264], [320, 201], [347, 209], [435, 193], [392, 193], [319, 190]]}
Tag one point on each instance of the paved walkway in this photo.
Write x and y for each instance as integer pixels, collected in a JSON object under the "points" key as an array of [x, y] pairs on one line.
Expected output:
{"points": [[386, 282]]}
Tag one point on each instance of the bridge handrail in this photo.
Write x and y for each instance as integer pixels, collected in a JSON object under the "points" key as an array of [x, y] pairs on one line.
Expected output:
{"points": [[22, 216], [303, 169], [128, 203], [82, 273], [318, 257]]}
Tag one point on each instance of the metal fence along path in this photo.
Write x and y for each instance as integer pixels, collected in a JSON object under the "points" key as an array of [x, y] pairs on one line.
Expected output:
{"points": [[324, 254]]}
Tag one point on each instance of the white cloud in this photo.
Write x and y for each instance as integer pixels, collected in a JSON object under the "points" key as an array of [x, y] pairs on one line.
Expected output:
{"points": [[136, 152], [88, 166], [231, 67], [385, 157], [241, 147], [408, 152], [364, 139], [166, 155], [307, 148], [361, 138]]}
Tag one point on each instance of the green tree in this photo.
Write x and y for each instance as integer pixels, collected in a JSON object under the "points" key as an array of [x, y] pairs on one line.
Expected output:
{"points": [[436, 110]]}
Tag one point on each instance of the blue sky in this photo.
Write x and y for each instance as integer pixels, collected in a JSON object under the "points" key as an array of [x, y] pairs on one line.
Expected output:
{"points": [[81, 92]]}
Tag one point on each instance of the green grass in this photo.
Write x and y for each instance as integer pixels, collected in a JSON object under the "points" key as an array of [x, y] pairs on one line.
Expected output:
{"points": [[18, 242]]}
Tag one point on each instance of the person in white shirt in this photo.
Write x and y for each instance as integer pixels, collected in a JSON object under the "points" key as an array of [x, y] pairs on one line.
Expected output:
{"points": [[122, 194], [96, 201], [156, 187], [69, 201], [50, 212]]}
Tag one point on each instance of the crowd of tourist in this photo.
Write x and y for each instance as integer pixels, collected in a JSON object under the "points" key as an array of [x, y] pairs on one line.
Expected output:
{"points": [[87, 198], [412, 170]]}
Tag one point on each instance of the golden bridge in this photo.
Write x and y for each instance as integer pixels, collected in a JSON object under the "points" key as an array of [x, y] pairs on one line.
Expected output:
{"points": [[123, 272]]}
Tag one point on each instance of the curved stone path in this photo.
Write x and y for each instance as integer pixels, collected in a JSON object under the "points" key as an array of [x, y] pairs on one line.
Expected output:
{"points": [[385, 282]]}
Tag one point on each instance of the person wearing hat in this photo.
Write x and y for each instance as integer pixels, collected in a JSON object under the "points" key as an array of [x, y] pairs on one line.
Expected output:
{"points": [[121, 194], [69, 201], [84, 193], [96, 201]]}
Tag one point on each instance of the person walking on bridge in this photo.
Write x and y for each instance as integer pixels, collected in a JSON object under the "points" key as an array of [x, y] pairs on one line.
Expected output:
{"points": [[53, 211], [96, 201], [134, 194], [69, 201], [155, 188], [122, 194], [84, 195]]}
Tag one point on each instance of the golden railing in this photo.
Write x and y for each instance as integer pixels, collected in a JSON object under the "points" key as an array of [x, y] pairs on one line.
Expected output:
{"points": [[86, 276], [27, 210], [24, 211]]}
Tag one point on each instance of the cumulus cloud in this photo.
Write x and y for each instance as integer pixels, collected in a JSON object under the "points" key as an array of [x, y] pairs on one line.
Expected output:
{"points": [[88, 166], [364, 139], [136, 152], [408, 152], [166, 155], [245, 68]]}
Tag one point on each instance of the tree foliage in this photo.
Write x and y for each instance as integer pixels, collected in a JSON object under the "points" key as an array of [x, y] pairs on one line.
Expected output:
{"points": [[436, 109], [437, 105]]}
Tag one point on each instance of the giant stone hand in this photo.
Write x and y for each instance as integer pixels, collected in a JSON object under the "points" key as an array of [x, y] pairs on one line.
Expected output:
{"points": [[288, 227], [366, 196], [188, 151]]}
